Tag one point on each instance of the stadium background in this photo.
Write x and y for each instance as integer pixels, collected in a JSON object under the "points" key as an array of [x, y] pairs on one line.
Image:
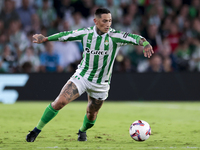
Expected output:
{"points": [[172, 28]]}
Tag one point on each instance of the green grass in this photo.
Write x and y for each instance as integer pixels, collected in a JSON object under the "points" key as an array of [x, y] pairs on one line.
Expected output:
{"points": [[175, 125]]}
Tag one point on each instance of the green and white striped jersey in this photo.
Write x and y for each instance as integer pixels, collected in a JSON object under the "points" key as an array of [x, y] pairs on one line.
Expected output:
{"points": [[99, 50]]}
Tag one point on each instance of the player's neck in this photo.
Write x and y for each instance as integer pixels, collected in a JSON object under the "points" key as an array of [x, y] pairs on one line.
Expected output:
{"points": [[99, 32]]}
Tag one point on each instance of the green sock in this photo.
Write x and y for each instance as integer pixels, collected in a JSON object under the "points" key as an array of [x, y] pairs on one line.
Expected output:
{"points": [[48, 114], [87, 124]]}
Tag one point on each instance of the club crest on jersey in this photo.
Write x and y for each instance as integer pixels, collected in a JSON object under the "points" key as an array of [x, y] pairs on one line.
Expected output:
{"points": [[106, 42], [96, 52]]}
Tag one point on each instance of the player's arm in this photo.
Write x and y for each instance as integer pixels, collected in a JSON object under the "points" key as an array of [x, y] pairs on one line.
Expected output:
{"points": [[139, 40], [62, 36], [39, 38], [124, 38], [148, 50]]}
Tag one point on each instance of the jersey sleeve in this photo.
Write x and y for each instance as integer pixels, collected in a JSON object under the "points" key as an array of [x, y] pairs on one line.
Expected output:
{"points": [[75, 35], [125, 38]]}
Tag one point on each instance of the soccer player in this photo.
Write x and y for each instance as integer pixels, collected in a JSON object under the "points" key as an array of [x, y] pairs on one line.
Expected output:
{"points": [[101, 44]]}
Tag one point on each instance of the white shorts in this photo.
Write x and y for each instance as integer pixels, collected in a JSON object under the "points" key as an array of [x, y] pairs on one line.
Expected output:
{"points": [[94, 90]]}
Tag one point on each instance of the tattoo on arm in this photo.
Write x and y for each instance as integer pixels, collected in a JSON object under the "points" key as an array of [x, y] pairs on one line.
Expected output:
{"points": [[70, 92], [95, 104], [40, 38], [141, 41], [148, 46]]}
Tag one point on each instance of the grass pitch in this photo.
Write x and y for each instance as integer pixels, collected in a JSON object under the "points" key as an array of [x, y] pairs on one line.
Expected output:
{"points": [[175, 125]]}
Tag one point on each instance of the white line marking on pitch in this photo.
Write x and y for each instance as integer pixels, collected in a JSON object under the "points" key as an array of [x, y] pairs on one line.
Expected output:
{"points": [[56, 147], [169, 106]]}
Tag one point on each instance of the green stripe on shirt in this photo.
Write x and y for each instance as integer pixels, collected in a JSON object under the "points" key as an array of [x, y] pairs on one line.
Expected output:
{"points": [[96, 59], [87, 55], [105, 58]]}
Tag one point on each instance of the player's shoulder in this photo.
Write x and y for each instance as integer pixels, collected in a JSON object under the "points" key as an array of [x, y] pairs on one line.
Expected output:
{"points": [[111, 30], [118, 33], [78, 30], [85, 30], [81, 30], [90, 28]]}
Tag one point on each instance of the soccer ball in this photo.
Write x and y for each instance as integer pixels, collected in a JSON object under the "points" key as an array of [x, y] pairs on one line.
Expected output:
{"points": [[140, 130]]}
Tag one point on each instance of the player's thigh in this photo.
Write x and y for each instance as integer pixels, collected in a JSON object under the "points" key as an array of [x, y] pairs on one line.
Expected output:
{"points": [[68, 93]]}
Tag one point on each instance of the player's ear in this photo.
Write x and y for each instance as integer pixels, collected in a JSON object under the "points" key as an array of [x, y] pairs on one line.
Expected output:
{"points": [[95, 21]]}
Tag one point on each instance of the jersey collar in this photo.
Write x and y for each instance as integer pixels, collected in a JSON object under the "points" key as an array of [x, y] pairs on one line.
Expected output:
{"points": [[96, 35]]}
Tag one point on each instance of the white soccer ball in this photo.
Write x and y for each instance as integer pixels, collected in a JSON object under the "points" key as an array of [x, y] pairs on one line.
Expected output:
{"points": [[140, 130]]}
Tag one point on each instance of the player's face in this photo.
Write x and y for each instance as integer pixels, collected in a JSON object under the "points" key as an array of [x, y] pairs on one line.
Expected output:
{"points": [[103, 23]]}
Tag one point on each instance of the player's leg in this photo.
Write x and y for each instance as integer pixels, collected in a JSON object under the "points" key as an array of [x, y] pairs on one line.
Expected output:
{"points": [[68, 93], [90, 117]]}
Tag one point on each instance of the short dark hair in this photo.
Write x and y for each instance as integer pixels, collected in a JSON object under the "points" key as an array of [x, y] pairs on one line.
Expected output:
{"points": [[101, 11]]}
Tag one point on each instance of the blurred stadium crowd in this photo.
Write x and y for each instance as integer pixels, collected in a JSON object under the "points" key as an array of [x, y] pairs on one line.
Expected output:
{"points": [[171, 26]]}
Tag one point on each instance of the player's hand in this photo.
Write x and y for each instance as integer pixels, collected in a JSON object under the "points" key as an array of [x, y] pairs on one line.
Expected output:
{"points": [[39, 38], [148, 51]]}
